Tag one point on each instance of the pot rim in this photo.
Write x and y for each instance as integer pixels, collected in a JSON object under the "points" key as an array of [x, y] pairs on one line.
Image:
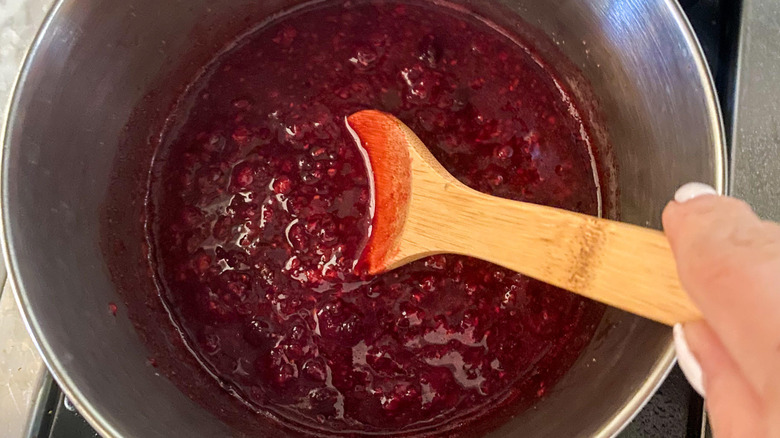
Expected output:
{"points": [[104, 426]]}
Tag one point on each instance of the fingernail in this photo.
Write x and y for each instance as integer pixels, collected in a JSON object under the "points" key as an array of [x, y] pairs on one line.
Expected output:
{"points": [[693, 190], [688, 363]]}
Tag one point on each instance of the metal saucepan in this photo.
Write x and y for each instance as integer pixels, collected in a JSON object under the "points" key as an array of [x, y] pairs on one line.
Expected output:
{"points": [[95, 62]]}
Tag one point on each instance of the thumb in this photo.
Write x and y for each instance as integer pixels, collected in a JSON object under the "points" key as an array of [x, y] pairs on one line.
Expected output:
{"points": [[729, 262]]}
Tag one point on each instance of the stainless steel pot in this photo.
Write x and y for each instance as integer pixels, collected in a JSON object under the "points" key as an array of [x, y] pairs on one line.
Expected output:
{"points": [[94, 61]]}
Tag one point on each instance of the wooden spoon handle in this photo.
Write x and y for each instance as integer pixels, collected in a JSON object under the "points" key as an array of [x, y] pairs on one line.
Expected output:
{"points": [[622, 265]]}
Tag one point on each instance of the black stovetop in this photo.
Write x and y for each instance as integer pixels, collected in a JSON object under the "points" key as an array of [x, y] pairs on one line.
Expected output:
{"points": [[675, 411]]}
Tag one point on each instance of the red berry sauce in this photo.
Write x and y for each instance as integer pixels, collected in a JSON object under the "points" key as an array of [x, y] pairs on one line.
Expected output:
{"points": [[259, 208]]}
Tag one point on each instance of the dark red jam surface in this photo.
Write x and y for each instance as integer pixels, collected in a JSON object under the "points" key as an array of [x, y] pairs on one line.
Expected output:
{"points": [[260, 203]]}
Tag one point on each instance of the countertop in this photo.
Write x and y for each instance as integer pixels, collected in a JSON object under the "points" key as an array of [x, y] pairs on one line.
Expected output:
{"points": [[21, 368]]}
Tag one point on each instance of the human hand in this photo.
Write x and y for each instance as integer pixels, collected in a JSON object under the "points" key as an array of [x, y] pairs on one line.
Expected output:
{"points": [[729, 263]]}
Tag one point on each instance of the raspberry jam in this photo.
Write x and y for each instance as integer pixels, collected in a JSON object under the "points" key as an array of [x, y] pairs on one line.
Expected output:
{"points": [[259, 207]]}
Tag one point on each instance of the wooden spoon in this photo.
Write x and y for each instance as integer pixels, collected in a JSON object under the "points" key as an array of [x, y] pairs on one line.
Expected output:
{"points": [[420, 209]]}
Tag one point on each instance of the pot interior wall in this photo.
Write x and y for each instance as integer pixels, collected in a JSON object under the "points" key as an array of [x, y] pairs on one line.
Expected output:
{"points": [[97, 61]]}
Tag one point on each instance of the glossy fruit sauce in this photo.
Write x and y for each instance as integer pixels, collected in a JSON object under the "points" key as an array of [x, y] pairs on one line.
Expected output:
{"points": [[259, 207]]}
